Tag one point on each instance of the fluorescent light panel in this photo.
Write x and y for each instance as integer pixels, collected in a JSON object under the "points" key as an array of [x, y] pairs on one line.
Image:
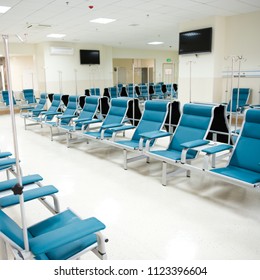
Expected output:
{"points": [[103, 20], [155, 43], [56, 35], [4, 9]]}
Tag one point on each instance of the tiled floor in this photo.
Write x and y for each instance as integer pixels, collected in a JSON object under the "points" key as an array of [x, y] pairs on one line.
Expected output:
{"points": [[192, 218]]}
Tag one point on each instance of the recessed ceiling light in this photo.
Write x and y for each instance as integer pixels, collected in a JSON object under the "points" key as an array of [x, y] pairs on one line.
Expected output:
{"points": [[155, 43], [4, 9], [103, 20], [56, 35]]}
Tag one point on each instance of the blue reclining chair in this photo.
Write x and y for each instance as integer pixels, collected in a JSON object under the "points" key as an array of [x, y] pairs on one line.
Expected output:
{"points": [[64, 236], [113, 92], [243, 168], [95, 91], [158, 93], [88, 113], [115, 118], [144, 93], [29, 96], [170, 91], [152, 121], [64, 118], [5, 96], [239, 100], [34, 111], [46, 115], [190, 133]]}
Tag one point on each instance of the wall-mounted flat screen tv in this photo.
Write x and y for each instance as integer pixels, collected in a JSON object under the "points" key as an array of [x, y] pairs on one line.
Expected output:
{"points": [[89, 57], [195, 41]]}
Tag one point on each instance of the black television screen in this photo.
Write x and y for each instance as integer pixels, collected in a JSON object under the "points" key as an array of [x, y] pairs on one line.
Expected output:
{"points": [[89, 57], [195, 41]]}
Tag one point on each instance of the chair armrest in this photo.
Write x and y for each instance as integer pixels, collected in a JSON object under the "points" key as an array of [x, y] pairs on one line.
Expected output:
{"points": [[42, 111], [82, 120], [122, 128], [5, 154], [64, 235], [112, 125], [27, 108], [194, 144], [89, 121], [217, 149], [155, 134]]}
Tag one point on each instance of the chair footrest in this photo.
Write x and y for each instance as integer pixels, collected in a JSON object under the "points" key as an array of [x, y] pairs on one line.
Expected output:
{"points": [[38, 192]]}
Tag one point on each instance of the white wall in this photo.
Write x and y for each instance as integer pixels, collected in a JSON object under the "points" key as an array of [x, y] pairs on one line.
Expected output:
{"points": [[232, 36], [242, 38], [63, 73], [160, 58], [199, 74]]}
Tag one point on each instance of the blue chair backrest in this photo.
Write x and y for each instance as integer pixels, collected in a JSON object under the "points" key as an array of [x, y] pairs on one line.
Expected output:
{"points": [[11, 230], [113, 92], [95, 91], [144, 90], [131, 91], [89, 109], [193, 125], [119, 88], [70, 109], [29, 96], [246, 153], [40, 105], [239, 98], [43, 99], [158, 88], [5, 96], [117, 111], [153, 117], [170, 89], [55, 105]]}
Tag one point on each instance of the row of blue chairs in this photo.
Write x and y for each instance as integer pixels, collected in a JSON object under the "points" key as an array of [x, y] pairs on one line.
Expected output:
{"points": [[189, 139], [28, 98], [142, 91], [193, 129]]}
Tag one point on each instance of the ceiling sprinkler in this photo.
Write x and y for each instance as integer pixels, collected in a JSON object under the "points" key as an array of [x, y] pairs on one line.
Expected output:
{"points": [[91, 7]]}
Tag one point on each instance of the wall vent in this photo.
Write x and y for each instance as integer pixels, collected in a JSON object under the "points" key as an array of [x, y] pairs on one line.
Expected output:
{"points": [[61, 51]]}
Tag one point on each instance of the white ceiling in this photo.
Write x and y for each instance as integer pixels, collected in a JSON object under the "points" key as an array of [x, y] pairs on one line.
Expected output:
{"points": [[137, 21]]}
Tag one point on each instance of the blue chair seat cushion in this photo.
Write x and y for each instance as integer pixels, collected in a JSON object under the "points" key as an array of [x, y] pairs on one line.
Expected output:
{"points": [[239, 174], [133, 144], [61, 225], [171, 154], [69, 250], [69, 127], [52, 123], [97, 134]]}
